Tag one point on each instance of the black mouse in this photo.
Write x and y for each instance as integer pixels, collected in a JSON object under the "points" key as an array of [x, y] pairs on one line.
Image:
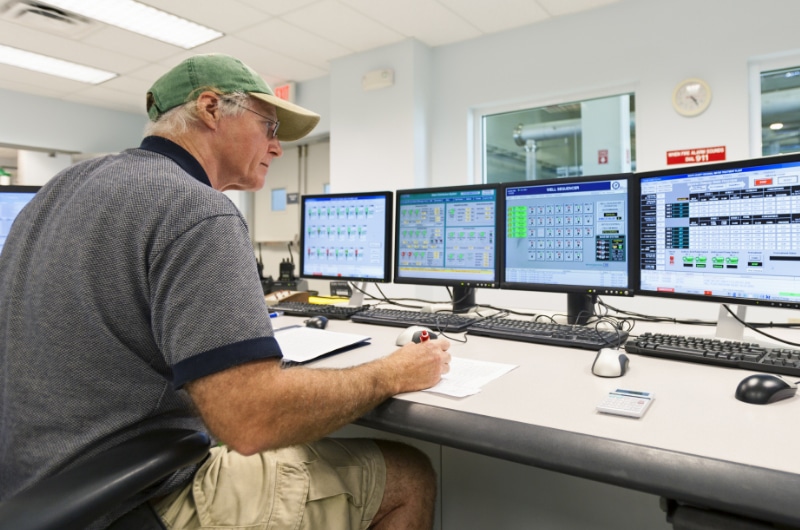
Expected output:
{"points": [[761, 389], [318, 322]]}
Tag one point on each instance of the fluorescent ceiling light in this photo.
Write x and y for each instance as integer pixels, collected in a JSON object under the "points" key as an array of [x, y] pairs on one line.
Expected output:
{"points": [[53, 66], [142, 19]]}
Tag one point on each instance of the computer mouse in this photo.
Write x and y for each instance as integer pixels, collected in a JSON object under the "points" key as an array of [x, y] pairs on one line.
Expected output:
{"points": [[412, 334], [610, 362], [318, 322], [761, 389]]}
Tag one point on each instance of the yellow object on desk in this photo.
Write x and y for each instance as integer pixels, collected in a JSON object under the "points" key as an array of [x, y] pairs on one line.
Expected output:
{"points": [[327, 300]]}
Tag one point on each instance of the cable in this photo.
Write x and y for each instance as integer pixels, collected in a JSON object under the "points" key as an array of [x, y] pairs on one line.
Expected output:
{"points": [[745, 324]]}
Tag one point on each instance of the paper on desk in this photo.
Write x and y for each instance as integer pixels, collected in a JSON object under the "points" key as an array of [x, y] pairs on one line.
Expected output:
{"points": [[301, 344], [467, 376]]}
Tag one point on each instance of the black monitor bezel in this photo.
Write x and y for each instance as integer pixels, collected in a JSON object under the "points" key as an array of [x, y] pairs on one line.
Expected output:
{"points": [[632, 228], [450, 282], [388, 226], [16, 188], [716, 166]]}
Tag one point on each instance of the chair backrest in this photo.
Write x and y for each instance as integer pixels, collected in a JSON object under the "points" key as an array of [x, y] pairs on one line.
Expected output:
{"points": [[81, 494]]}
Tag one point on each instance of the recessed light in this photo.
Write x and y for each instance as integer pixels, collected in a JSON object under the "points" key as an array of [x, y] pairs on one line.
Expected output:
{"points": [[142, 19], [777, 126], [52, 66]]}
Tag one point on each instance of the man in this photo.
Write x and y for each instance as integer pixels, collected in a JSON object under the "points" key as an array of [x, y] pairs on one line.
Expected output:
{"points": [[131, 302]]}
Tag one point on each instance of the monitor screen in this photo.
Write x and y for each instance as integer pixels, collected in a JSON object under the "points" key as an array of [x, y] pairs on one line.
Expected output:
{"points": [[12, 200], [448, 236], [347, 236], [570, 235], [727, 232]]}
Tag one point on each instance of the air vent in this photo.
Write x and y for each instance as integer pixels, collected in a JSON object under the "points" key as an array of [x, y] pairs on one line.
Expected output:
{"points": [[46, 18]]}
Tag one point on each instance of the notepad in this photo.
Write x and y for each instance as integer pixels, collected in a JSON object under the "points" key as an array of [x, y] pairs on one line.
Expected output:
{"points": [[300, 344]]}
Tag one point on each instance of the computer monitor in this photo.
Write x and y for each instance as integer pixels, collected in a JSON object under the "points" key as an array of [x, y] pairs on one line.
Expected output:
{"points": [[573, 236], [448, 237], [347, 236], [12, 200], [726, 232]]}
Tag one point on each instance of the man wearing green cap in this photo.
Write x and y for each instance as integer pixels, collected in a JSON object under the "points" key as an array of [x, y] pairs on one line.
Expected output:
{"points": [[132, 303]]}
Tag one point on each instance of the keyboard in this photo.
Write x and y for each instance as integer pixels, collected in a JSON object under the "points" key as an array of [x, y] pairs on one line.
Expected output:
{"points": [[570, 336], [304, 309], [748, 356], [404, 318]]}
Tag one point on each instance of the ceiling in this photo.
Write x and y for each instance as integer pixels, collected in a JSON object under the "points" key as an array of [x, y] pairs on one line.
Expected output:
{"points": [[283, 40]]}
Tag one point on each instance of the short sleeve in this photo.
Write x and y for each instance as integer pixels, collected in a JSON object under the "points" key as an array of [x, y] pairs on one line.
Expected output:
{"points": [[207, 303]]}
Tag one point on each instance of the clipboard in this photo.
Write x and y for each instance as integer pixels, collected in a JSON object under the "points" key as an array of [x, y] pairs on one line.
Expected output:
{"points": [[301, 344]]}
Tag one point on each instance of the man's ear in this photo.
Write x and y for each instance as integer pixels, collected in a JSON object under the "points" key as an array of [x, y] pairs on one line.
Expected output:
{"points": [[208, 109]]}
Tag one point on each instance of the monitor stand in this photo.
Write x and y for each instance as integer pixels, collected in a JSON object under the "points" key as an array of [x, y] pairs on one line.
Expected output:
{"points": [[728, 328], [357, 298], [463, 299], [580, 307]]}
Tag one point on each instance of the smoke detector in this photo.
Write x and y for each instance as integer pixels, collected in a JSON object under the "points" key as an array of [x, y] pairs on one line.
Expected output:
{"points": [[38, 15]]}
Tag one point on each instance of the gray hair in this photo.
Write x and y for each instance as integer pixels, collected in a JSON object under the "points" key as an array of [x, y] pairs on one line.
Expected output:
{"points": [[179, 120]]}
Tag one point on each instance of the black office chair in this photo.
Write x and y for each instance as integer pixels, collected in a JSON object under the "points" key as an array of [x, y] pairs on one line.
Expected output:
{"points": [[78, 496]]}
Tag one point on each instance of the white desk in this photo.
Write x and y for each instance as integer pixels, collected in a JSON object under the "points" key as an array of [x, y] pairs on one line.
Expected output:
{"points": [[696, 443]]}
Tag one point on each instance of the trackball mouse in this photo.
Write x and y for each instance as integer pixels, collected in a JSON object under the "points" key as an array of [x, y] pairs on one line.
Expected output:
{"points": [[761, 389], [610, 362], [318, 322], [412, 334]]}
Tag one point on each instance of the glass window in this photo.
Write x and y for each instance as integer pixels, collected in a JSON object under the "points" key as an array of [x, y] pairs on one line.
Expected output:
{"points": [[591, 137], [780, 111]]}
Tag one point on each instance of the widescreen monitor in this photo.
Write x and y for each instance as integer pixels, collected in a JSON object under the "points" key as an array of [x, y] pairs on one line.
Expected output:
{"points": [[448, 237], [12, 200], [571, 235], [727, 232], [347, 236]]}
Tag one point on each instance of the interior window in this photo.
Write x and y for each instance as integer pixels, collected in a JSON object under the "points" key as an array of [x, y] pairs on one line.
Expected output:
{"points": [[780, 111], [591, 137]]}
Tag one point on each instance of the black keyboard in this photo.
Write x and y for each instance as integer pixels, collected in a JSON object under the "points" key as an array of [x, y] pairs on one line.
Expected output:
{"points": [[748, 356], [403, 318], [304, 309], [570, 336]]}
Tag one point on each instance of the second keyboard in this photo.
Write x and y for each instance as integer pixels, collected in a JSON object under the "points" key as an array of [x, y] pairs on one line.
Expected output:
{"points": [[447, 322], [570, 336]]}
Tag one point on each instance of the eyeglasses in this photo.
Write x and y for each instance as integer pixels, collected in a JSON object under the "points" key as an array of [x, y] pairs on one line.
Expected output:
{"points": [[272, 125]]}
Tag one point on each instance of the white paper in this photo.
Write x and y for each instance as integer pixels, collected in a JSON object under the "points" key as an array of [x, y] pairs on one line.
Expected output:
{"points": [[301, 344], [467, 376]]}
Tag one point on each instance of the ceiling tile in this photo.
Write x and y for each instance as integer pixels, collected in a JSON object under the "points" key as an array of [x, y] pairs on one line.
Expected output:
{"points": [[121, 41], [68, 49], [294, 42], [428, 21], [498, 15], [565, 7], [277, 7], [343, 25]]}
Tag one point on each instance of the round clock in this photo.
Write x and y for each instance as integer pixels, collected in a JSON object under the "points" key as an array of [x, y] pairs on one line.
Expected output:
{"points": [[691, 97]]}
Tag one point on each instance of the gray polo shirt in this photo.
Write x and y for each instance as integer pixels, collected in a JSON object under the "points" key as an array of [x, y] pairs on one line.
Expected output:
{"points": [[125, 278]]}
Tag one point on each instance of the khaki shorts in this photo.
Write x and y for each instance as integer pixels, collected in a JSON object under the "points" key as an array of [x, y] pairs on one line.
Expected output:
{"points": [[330, 484]]}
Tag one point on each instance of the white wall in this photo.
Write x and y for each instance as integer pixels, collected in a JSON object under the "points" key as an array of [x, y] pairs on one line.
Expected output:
{"points": [[35, 121]]}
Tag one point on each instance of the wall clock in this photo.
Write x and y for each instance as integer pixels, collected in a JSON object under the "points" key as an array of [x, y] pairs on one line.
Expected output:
{"points": [[691, 97]]}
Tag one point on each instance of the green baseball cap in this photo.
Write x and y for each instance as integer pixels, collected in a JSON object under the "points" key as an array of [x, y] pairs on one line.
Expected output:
{"points": [[226, 74]]}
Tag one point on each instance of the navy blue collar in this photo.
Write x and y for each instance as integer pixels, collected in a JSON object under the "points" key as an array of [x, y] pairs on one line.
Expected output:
{"points": [[177, 154]]}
